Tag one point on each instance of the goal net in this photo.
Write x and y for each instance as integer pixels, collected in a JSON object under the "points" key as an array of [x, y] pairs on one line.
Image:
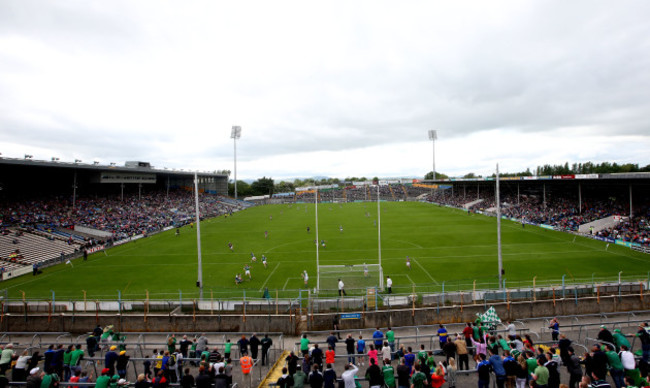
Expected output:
{"points": [[354, 276]]}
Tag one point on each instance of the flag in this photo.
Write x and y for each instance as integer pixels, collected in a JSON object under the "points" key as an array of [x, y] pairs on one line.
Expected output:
{"points": [[490, 316]]}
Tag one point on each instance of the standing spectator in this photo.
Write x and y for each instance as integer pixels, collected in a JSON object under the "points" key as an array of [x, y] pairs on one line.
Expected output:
{"points": [[615, 366], [553, 372], [122, 362], [511, 330], [349, 347], [77, 356], [627, 359], [348, 375], [644, 336], [378, 336], [418, 379], [554, 325], [373, 375], [511, 367], [304, 345], [266, 345], [227, 349], [329, 376], [34, 378], [203, 379], [496, 363], [442, 336], [255, 345], [243, 345], [449, 348], [620, 340], [463, 354], [438, 377], [171, 344], [372, 354], [315, 378], [342, 288], [522, 372], [201, 343], [332, 340], [330, 355], [246, 364], [285, 380], [67, 357], [336, 327], [187, 381], [541, 375], [388, 374], [403, 374], [185, 344], [409, 357], [574, 368], [385, 352], [605, 335], [317, 356], [109, 360], [389, 285], [563, 344], [361, 349], [299, 378], [292, 363], [483, 368], [91, 344], [390, 337]]}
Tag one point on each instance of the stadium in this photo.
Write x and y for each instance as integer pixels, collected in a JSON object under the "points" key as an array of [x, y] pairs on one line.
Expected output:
{"points": [[132, 254]]}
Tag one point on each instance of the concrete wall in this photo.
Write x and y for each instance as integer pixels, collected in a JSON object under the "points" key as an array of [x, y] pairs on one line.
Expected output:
{"points": [[288, 324]]}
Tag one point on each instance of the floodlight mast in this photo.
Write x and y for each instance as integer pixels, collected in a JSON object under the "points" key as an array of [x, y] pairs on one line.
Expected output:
{"points": [[499, 256], [433, 136], [235, 134], [199, 282]]}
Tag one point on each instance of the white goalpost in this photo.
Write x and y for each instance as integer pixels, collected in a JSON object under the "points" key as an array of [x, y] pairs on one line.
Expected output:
{"points": [[353, 275]]}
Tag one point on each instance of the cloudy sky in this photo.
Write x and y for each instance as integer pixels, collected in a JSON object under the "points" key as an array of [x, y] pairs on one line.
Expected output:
{"points": [[326, 88]]}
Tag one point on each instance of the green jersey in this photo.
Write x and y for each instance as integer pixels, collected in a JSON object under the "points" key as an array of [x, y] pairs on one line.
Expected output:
{"points": [[228, 347], [299, 379], [621, 340], [66, 358], [304, 344], [541, 372], [476, 333], [389, 376], [171, 345], [504, 344], [49, 380], [418, 380], [102, 382], [532, 364], [77, 355], [390, 336], [614, 361], [422, 356]]}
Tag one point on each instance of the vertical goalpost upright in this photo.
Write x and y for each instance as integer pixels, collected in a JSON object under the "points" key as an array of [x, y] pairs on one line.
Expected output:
{"points": [[352, 268]]}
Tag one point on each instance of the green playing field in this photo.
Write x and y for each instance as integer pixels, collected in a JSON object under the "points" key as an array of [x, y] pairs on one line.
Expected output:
{"points": [[445, 245]]}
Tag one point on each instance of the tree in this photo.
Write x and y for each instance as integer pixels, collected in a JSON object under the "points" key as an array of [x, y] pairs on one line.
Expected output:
{"points": [[243, 189], [284, 187], [439, 175], [262, 186]]}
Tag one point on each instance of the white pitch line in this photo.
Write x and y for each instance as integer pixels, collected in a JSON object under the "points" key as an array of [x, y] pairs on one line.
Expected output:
{"points": [[269, 277], [410, 280], [426, 272]]}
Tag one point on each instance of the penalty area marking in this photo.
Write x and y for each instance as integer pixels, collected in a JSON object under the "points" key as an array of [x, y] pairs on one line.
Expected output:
{"points": [[269, 277], [425, 271], [287, 282]]}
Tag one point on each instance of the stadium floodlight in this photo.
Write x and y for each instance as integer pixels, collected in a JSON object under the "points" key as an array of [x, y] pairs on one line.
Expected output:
{"points": [[234, 135], [28, 156], [433, 136], [498, 205], [95, 162], [199, 282], [55, 159], [112, 163], [78, 160]]}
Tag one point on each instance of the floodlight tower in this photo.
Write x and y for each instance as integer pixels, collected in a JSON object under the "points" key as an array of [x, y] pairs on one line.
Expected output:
{"points": [[235, 134], [433, 136]]}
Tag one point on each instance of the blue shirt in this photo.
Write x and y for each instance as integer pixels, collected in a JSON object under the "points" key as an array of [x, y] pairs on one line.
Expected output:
{"points": [[378, 334], [442, 335], [497, 365], [361, 346], [409, 359]]}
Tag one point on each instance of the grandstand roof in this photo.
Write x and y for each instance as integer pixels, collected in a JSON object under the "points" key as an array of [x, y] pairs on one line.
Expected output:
{"points": [[100, 167], [591, 177]]}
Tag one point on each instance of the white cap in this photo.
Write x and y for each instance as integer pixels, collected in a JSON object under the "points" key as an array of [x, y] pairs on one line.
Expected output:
{"points": [[34, 371]]}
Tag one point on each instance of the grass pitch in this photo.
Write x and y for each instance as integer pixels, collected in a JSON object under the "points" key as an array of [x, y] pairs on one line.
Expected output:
{"points": [[445, 245]]}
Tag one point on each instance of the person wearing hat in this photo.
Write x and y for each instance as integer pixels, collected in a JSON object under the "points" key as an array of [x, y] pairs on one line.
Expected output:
{"points": [[34, 378], [605, 335], [644, 336], [120, 364], [104, 379], [620, 340], [110, 358]]}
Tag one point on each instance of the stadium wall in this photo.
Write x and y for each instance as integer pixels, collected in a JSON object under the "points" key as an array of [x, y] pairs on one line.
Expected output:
{"points": [[294, 323]]}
